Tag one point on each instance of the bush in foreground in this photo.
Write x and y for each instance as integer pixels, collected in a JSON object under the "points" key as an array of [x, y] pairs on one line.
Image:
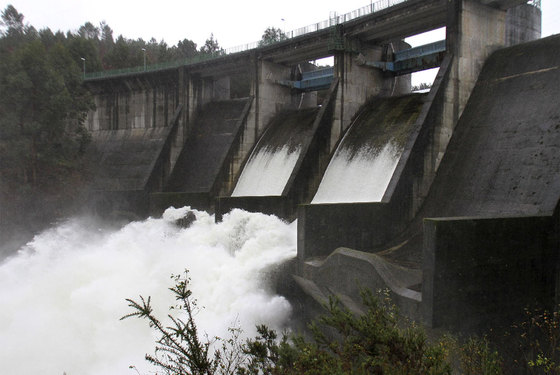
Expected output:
{"points": [[341, 343]]}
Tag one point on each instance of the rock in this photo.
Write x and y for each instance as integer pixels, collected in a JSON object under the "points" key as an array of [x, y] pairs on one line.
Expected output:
{"points": [[186, 220]]}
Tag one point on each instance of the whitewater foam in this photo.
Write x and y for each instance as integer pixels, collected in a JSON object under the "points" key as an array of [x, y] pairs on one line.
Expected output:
{"points": [[64, 292], [362, 177], [266, 173]]}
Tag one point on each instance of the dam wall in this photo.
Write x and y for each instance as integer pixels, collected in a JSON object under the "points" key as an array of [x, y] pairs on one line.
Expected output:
{"points": [[481, 273], [504, 159], [493, 207], [136, 99]]}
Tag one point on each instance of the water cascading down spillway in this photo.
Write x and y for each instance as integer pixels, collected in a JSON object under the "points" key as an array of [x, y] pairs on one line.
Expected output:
{"points": [[273, 160], [363, 164]]}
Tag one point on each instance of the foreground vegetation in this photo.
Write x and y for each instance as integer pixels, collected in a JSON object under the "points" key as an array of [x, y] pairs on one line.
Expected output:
{"points": [[378, 342]]}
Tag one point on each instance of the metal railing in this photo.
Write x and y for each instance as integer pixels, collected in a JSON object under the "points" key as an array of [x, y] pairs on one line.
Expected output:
{"points": [[318, 73], [423, 50], [535, 3], [151, 67], [332, 21]]}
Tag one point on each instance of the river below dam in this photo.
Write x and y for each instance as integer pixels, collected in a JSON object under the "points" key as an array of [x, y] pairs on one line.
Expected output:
{"points": [[63, 293]]}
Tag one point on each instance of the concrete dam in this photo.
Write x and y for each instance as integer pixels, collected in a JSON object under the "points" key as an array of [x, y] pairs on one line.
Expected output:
{"points": [[447, 198]]}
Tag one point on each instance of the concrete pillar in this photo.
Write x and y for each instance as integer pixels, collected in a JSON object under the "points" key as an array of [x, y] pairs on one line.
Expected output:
{"points": [[221, 88], [272, 97], [149, 120], [474, 31], [123, 110], [357, 85], [523, 24], [160, 106], [194, 92], [359, 82], [139, 109]]}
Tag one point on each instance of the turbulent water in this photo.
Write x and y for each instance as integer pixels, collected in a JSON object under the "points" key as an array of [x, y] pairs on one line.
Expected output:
{"points": [[266, 173], [364, 177], [63, 293]]}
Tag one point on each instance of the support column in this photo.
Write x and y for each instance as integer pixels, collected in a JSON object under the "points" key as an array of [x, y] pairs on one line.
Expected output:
{"points": [[271, 97], [474, 31]]}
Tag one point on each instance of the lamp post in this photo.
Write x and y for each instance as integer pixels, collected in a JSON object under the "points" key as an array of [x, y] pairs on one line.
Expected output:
{"points": [[144, 49], [84, 63]]}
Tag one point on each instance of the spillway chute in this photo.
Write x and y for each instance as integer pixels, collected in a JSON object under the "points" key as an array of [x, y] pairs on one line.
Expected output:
{"points": [[364, 162]]}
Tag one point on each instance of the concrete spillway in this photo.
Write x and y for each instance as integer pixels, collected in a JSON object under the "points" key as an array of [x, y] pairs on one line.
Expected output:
{"points": [[125, 158], [363, 164], [216, 128], [503, 158], [272, 162]]}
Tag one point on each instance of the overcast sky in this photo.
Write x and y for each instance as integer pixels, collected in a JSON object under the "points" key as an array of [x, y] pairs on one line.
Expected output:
{"points": [[232, 22]]}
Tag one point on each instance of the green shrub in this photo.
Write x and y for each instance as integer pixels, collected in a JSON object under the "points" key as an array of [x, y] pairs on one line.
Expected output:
{"points": [[342, 343]]}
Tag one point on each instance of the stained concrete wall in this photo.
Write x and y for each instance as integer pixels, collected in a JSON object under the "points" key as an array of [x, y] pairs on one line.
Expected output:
{"points": [[346, 272], [503, 158], [271, 97], [128, 163], [523, 24], [133, 106], [482, 273], [200, 168], [324, 227], [474, 31], [135, 113]]}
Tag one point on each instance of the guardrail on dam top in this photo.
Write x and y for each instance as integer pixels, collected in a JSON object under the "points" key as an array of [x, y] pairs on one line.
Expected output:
{"points": [[332, 21]]}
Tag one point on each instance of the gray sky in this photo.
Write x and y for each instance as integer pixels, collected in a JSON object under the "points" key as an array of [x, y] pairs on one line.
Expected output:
{"points": [[232, 22]]}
